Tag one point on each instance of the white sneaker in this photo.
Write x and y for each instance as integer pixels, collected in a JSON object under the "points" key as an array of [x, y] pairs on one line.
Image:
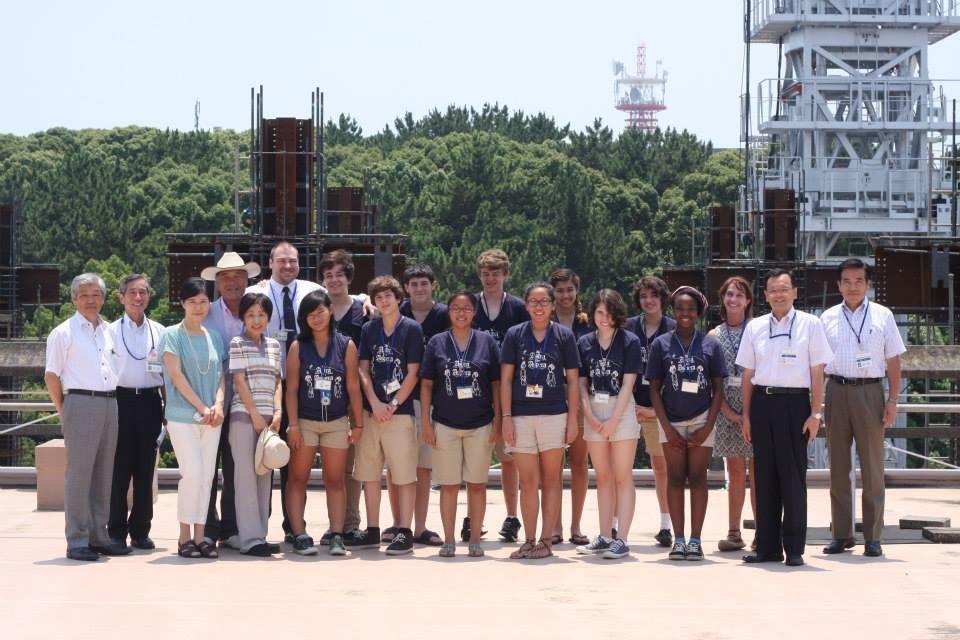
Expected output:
{"points": [[598, 545]]}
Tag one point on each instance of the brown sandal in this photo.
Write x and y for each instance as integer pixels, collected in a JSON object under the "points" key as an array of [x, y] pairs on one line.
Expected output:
{"points": [[524, 549], [540, 551], [188, 549], [207, 550]]}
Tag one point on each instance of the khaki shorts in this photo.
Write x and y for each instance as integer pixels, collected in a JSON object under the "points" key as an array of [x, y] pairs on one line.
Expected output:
{"points": [[687, 427], [627, 429], [536, 434], [651, 436], [462, 455], [335, 434], [393, 442], [424, 451]]}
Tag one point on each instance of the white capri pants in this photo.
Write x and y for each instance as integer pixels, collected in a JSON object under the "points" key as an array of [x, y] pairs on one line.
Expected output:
{"points": [[196, 449]]}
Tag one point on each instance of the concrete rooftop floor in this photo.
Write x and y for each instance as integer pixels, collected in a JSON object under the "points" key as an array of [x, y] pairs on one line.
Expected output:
{"points": [[909, 593]]}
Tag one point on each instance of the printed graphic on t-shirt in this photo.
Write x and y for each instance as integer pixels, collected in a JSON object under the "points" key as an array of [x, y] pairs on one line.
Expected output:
{"points": [[323, 381], [686, 368], [533, 366], [602, 369], [457, 375], [388, 365]]}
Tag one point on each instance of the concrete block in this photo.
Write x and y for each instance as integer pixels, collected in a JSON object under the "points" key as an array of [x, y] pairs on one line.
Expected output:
{"points": [[942, 534], [51, 460], [921, 522]]}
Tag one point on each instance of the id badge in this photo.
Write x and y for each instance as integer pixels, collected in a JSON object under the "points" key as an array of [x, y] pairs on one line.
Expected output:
{"points": [[734, 381], [601, 397], [788, 358], [322, 384], [392, 386], [153, 362], [464, 393], [864, 360], [690, 386], [534, 391], [280, 335], [325, 399]]}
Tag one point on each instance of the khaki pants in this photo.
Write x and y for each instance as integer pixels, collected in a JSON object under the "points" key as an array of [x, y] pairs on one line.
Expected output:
{"points": [[855, 413]]}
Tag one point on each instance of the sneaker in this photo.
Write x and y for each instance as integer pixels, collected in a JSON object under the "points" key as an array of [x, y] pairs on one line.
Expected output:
{"points": [[303, 545], [510, 529], [598, 545], [617, 549], [694, 551], [357, 539], [679, 551], [401, 544], [664, 538], [336, 546], [325, 538]]}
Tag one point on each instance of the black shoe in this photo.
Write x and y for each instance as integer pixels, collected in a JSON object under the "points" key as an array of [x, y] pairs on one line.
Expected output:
{"points": [[873, 549], [365, 539], [756, 558], [794, 560], [83, 553], [664, 538], [112, 549], [325, 538], [261, 550], [838, 546], [510, 529], [401, 544], [274, 547], [143, 543], [465, 530]]}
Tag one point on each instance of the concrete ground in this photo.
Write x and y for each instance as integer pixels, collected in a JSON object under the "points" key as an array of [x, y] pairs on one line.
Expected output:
{"points": [[909, 593]]}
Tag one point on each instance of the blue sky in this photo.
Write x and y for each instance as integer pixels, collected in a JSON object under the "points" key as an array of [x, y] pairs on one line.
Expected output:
{"points": [[98, 63]]}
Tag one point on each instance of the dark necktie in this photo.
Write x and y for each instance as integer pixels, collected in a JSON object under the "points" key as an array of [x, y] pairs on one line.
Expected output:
{"points": [[289, 319]]}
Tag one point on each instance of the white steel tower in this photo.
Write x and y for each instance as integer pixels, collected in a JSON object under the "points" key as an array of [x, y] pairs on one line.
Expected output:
{"points": [[850, 124], [641, 96]]}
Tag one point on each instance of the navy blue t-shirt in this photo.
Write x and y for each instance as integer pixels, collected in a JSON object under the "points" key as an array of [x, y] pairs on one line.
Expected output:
{"points": [[389, 356], [673, 365], [352, 322], [641, 391], [452, 372], [581, 329], [323, 392], [437, 319], [604, 370], [512, 313], [543, 364]]}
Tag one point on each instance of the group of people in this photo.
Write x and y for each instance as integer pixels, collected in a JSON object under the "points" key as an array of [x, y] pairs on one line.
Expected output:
{"points": [[431, 390]]}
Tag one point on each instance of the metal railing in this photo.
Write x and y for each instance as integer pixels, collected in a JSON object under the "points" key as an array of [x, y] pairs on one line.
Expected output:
{"points": [[929, 12]]}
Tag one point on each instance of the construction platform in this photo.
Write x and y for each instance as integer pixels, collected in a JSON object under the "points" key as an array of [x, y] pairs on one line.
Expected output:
{"points": [[908, 593]]}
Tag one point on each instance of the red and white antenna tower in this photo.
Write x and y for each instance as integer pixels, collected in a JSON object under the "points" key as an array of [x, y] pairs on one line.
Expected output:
{"points": [[640, 96]]}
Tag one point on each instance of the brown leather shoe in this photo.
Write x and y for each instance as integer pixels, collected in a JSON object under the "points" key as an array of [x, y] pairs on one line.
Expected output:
{"points": [[733, 542]]}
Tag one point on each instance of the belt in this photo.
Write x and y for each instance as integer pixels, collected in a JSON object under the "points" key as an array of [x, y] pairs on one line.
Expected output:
{"points": [[782, 391], [859, 382], [142, 391], [94, 394]]}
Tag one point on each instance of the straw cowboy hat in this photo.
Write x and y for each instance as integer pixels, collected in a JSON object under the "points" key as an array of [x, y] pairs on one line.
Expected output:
{"points": [[231, 261]]}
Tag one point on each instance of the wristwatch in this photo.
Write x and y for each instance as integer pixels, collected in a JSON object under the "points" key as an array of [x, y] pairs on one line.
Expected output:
{"points": [[818, 416], [394, 403]]}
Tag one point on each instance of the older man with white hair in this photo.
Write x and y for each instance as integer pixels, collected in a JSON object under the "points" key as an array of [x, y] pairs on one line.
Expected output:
{"points": [[81, 376]]}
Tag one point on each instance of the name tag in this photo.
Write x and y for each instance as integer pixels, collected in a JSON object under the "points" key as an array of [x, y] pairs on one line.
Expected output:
{"points": [[690, 386], [392, 386], [153, 362], [864, 360], [788, 358], [644, 382], [464, 393], [325, 399], [734, 381], [534, 391], [281, 335], [322, 384], [601, 397]]}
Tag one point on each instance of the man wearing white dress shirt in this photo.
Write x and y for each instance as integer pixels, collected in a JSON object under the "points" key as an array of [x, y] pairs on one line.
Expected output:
{"points": [[81, 376], [782, 355], [867, 345], [231, 276], [139, 413]]}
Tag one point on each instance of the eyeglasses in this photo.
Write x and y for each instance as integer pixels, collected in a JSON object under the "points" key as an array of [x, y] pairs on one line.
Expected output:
{"points": [[460, 309], [540, 303]]}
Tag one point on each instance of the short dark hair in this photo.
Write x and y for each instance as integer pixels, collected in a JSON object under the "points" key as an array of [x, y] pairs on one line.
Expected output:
{"points": [[337, 257], [193, 287], [283, 243], [613, 301], [655, 284], [384, 283], [776, 272], [855, 263], [540, 285], [419, 270], [256, 299], [308, 305], [462, 293]]}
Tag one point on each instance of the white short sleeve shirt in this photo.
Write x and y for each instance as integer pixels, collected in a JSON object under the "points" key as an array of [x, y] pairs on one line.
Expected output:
{"points": [[782, 353], [83, 355], [134, 346], [862, 340]]}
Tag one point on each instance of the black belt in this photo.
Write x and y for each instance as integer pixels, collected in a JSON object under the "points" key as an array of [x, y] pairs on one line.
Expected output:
{"points": [[782, 391], [858, 382], [94, 394], [142, 391]]}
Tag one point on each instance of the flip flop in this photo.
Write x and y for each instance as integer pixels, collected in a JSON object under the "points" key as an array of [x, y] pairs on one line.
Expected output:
{"points": [[448, 550], [474, 550], [557, 539], [429, 538], [579, 539]]}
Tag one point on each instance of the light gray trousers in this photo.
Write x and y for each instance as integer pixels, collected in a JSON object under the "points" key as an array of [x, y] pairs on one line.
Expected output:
{"points": [[251, 492], [90, 439]]}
